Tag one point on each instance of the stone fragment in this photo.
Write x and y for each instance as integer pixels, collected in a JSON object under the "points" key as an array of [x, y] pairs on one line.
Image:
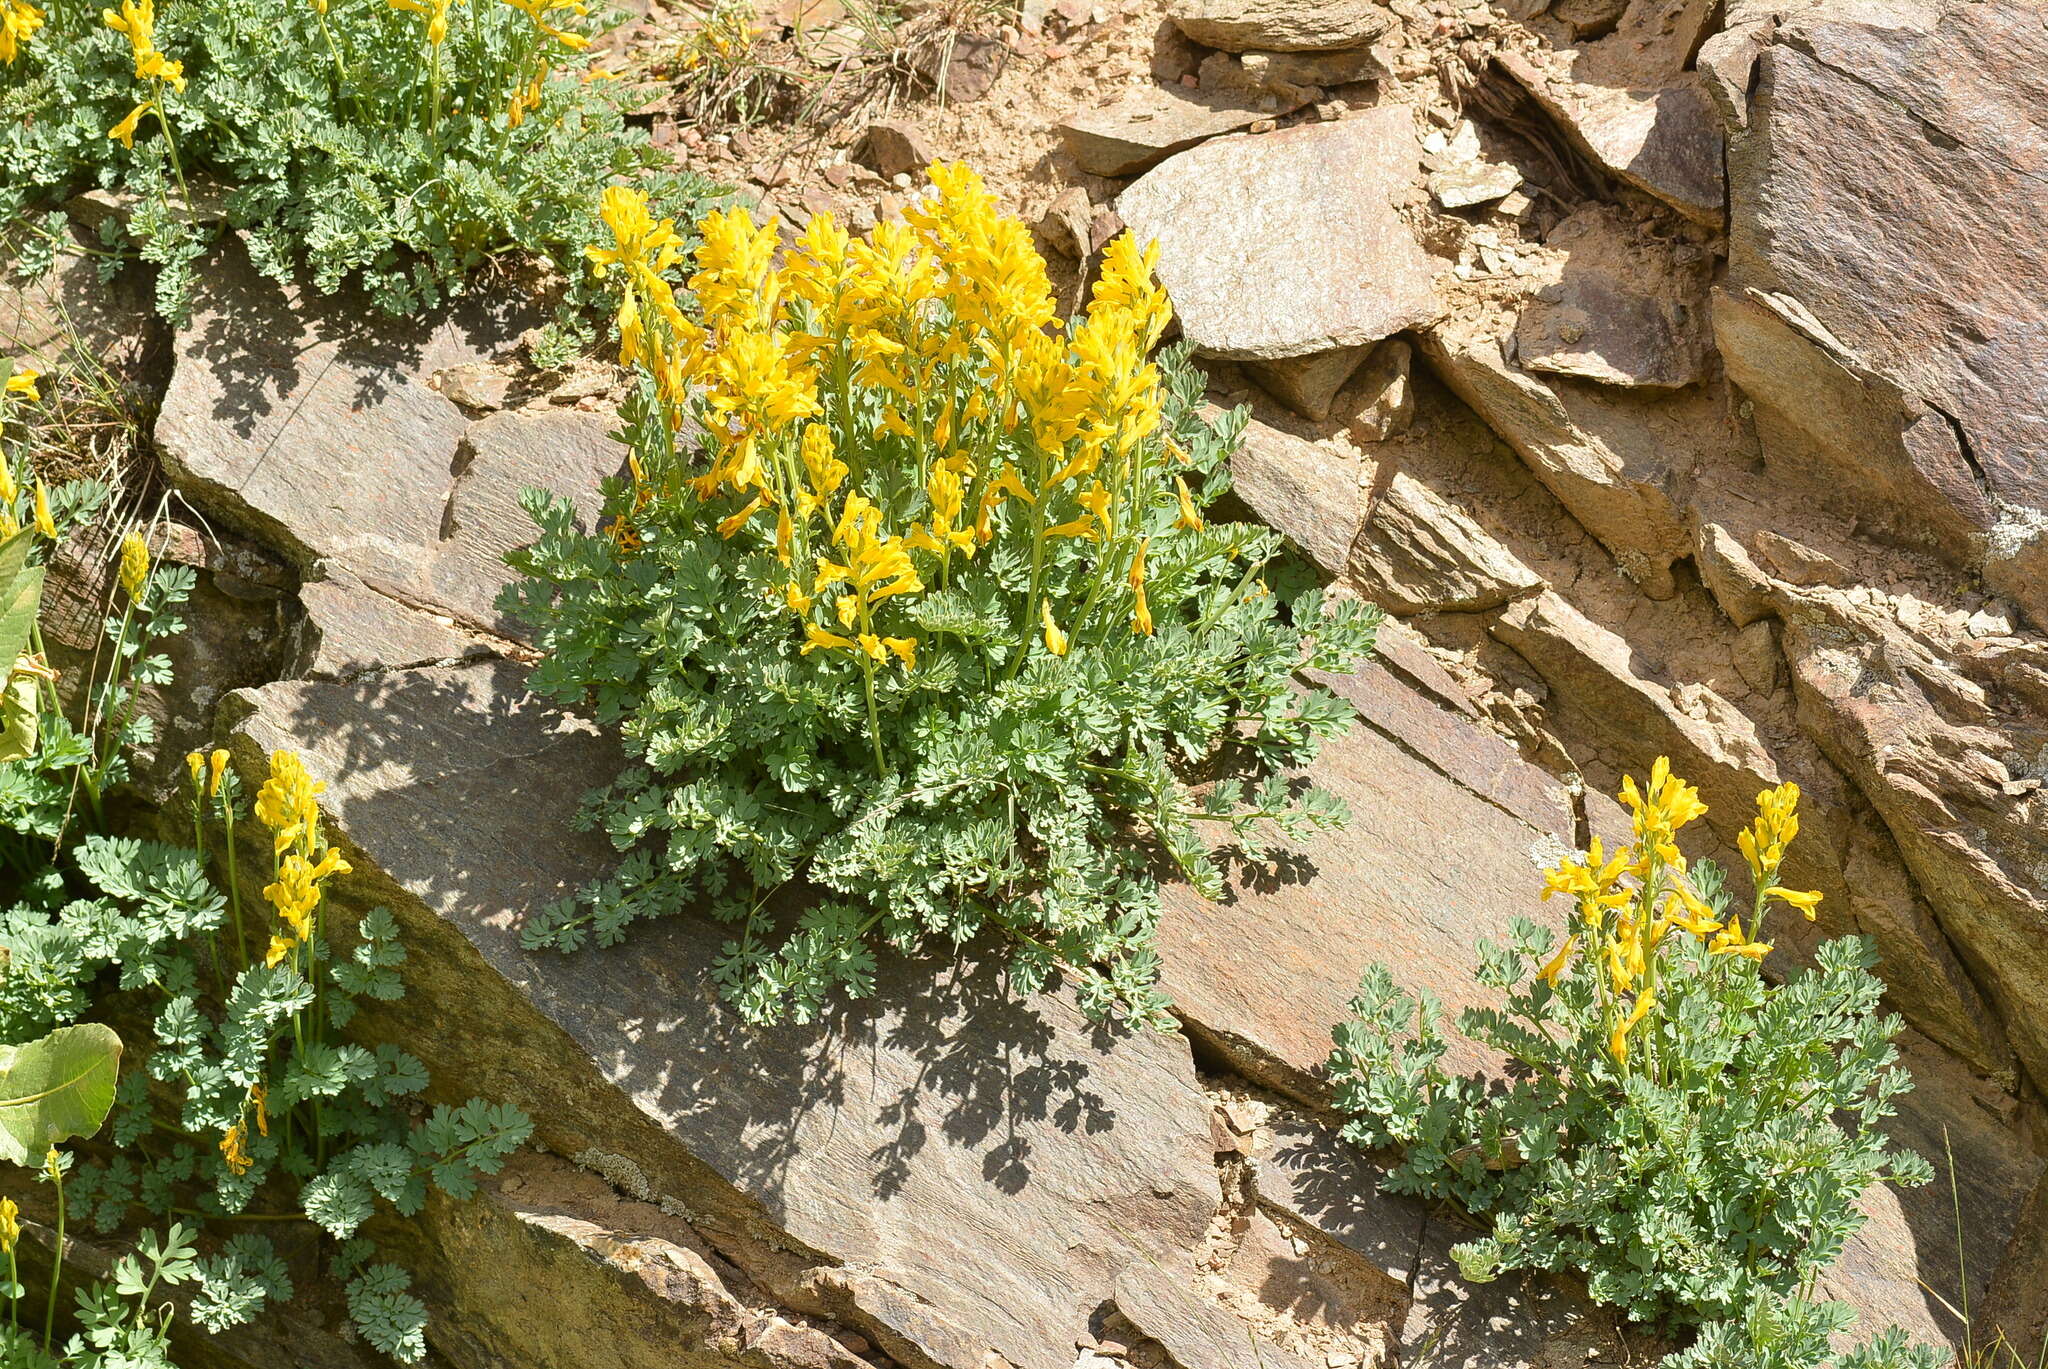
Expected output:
{"points": [[1311, 1174], [1068, 223], [1307, 493], [971, 63], [1265, 974], [894, 147], [1309, 385], [1417, 552], [1151, 123], [1290, 243], [1622, 307], [1224, 73], [476, 387], [1606, 462], [1275, 69], [1589, 18], [1664, 139], [1282, 25], [1379, 402], [1173, 56], [957, 1170], [1475, 183], [272, 397]]}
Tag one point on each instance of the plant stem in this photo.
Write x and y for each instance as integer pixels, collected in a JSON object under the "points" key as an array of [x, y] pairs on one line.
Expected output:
{"points": [[56, 1264]]}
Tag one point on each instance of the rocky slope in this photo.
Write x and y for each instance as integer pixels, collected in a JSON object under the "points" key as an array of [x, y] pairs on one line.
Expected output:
{"points": [[1674, 372]]}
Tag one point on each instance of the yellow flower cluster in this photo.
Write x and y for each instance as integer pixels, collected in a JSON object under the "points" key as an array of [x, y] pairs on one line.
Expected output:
{"points": [[922, 358], [1623, 925], [18, 19], [288, 804], [134, 556], [136, 19]]}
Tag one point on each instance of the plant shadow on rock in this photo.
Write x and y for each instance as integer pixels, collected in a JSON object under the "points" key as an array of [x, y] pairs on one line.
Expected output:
{"points": [[461, 788]]}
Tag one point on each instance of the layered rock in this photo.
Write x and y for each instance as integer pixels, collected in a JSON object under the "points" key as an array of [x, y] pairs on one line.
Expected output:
{"points": [[1289, 243]]}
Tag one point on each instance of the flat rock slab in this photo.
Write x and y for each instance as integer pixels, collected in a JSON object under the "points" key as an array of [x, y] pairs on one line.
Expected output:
{"points": [[1289, 243], [310, 424], [1663, 139], [1282, 25], [1449, 833], [967, 1170], [1153, 122], [1308, 493]]}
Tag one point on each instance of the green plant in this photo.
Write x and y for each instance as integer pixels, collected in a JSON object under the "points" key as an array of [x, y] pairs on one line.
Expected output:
{"points": [[1690, 1136], [250, 1106], [910, 605], [402, 144]]}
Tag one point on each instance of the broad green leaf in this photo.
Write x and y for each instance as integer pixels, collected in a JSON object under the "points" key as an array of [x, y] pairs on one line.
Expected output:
{"points": [[55, 1089], [21, 593]]}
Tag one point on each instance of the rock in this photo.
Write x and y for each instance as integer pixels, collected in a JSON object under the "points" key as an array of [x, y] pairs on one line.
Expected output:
{"points": [[1476, 183], [1224, 73], [1264, 975], [1173, 56], [68, 322], [1727, 60], [1151, 123], [894, 147], [1195, 1332], [1309, 1173], [1839, 188], [972, 63], [629, 1284], [1933, 748], [1277, 69], [1282, 25], [1589, 18], [475, 386], [1379, 402], [1309, 385], [1290, 243], [271, 397], [1605, 462], [954, 1169], [1068, 223], [1306, 492], [1416, 552], [1622, 307], [1886, 456], [1663, 139]]}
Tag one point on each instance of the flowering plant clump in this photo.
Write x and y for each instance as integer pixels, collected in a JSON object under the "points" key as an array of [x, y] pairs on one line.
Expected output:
{"points": [[910, 604], [403, 143], [249, 1106], [1687, 1134]]}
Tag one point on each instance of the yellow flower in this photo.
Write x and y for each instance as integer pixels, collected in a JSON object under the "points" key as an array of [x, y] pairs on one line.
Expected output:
{"points": [[1055, 640], [234, 1148], [23, 382], [288, 796], [134, 560], [1805, 902], [816, 638], [1730, 940], [10, 1225], [18, 19], [259, 1095], [136, 19], [217, 765], [1555, 966], [1190, 517], [154, 66], [1617, 1043], [1141, 612], [195, 761], [1668, 804], [45, 524]]}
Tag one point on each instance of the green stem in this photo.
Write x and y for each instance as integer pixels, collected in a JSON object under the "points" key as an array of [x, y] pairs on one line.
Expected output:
{"points": [[234, 881], [56, 1266]]}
